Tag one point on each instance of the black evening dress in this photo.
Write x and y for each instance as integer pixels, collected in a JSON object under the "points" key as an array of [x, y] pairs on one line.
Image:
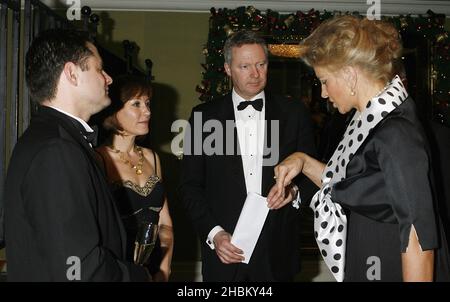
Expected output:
{"points": [[387, 190], [140, 204]]}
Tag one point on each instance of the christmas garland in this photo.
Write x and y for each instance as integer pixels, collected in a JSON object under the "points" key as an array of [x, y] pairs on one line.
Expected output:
{"points": [[291, 28]]}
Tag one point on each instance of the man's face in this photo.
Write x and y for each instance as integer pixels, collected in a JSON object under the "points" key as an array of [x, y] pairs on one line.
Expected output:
{"points": [[94, 82], [248, 70]]}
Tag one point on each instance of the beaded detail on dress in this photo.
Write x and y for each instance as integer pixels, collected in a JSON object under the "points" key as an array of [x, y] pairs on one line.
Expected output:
{"points": [[143, 191]]}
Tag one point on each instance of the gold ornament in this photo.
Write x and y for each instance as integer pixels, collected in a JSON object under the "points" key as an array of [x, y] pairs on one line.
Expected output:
{"points": [[138, 167], [288, 21], [228, 30], [250, 11], [285, 50], [403, 23], [441, 37]]}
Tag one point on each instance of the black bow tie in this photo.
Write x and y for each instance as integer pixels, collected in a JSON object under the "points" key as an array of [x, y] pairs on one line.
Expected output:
{"points": [[257, 104], [90, 137]]}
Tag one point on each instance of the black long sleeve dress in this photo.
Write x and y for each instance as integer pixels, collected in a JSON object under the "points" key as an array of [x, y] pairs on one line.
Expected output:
{"points": [[389, 189]]}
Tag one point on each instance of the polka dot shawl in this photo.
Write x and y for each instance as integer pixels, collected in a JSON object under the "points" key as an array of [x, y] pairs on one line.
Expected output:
{"points": [[330, 222]]}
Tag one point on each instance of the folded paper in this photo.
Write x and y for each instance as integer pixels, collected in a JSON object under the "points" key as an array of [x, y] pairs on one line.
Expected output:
{"points": [[250, 223]]}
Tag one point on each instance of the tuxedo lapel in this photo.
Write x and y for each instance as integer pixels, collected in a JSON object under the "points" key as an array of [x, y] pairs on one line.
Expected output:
{"points": [[235, 160]]}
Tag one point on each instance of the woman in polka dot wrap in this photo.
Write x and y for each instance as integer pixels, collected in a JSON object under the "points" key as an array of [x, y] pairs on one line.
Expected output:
{"points": [[374, 215]]}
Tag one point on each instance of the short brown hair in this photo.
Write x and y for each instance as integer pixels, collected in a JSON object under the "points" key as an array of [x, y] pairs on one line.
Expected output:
{"points": [[46, 58], [243, 37], [374, 46], [123, 89]]}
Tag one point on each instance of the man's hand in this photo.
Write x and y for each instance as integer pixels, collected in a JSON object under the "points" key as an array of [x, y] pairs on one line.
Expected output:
{"points": [[289, 194], [227, 252]]}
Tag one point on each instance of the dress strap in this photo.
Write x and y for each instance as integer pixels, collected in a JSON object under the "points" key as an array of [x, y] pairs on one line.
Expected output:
{"points": [[154, 162]]}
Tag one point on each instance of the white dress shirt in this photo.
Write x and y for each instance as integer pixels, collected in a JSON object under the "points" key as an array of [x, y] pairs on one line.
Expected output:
{"points": [[250, 126]]}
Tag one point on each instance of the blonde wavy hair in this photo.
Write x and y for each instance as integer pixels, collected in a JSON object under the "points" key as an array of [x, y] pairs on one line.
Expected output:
{"points": [[373, 46]]}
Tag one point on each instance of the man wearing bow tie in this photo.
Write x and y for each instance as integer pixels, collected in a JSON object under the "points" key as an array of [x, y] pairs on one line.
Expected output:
{"points": [[214, 186], [60, 220]]}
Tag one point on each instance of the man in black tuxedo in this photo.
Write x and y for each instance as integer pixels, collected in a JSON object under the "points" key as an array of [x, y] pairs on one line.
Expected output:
{"points": [[60, 220], [218, 173]]}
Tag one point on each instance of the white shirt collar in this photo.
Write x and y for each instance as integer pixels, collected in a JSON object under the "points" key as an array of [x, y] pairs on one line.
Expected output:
{"points": [[82, 122]]}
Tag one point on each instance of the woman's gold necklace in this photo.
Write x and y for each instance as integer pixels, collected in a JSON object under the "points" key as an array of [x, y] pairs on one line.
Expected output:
{"points": [[138, 167]]}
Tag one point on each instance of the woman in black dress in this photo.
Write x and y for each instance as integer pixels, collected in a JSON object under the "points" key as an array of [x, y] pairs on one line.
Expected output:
{"points": [[375, 217], [134, 172]]}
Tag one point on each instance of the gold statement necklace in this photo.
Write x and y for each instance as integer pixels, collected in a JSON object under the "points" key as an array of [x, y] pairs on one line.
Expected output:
{"points": [[138, 167]]}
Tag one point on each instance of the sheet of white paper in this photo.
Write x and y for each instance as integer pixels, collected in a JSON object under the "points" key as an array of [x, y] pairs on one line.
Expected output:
{"points": [[250, 224]]}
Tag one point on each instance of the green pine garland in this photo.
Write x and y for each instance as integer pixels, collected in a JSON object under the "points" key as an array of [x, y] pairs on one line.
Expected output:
{"points": [[292, 28]]}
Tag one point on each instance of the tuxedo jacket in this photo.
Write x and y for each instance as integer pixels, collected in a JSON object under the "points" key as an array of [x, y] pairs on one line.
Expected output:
{"points": [[60, 220], [213, 187]]}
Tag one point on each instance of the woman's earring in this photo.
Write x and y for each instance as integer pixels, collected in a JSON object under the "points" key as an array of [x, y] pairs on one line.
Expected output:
{"points": [[352, 92]]}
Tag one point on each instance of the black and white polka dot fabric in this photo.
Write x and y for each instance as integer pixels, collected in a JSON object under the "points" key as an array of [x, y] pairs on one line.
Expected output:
{"points": [[330, 222]]}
